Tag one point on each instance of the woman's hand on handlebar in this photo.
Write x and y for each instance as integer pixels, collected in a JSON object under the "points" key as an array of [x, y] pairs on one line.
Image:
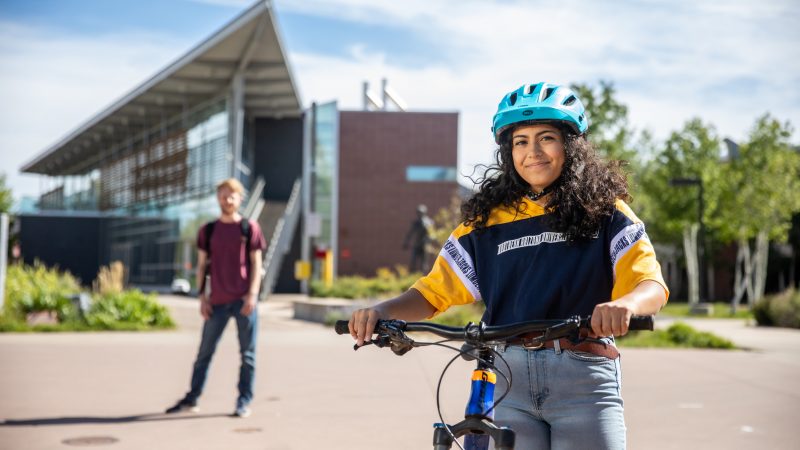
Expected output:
{"points": [[410, 306], [613, 318], [362, 323]]}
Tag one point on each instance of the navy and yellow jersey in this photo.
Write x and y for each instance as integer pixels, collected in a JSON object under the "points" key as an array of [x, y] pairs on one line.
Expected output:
{"points": [[523, 270]]}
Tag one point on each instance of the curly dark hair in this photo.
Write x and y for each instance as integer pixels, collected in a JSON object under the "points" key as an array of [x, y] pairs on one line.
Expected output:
{"points": [[580, 198]]}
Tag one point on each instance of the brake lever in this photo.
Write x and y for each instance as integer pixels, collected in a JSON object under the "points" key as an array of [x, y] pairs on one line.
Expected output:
{"points": [[380, 341]]}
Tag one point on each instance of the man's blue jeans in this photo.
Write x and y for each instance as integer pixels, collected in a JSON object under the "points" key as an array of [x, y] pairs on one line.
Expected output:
{"points": [[212, 331], [562, 400]]}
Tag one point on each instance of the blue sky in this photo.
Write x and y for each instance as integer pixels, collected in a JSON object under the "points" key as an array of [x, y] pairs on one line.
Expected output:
{"points": [[727, 62]]}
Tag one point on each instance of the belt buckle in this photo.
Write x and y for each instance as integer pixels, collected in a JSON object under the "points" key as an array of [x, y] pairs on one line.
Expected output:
{"points": [[529, 345]]}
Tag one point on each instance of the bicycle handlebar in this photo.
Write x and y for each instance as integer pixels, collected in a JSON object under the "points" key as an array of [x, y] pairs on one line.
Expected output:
{"points": [[481, 332]]}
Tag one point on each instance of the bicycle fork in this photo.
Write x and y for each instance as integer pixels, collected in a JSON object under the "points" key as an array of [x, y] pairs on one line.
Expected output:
{"points": [[478, 424]]}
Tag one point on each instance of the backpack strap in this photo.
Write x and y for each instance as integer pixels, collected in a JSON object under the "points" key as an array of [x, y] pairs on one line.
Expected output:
{"points": [[209, 230], [247, 234]]}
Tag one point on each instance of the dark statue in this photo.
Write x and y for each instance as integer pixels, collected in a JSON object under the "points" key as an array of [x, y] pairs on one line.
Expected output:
{"points": [[419, 235]]}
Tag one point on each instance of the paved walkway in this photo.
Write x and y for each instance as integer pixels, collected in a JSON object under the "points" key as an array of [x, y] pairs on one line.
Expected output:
{"points": [[58, 391]]}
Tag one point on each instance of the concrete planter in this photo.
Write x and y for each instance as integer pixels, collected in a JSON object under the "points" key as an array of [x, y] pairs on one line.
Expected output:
{"points": [[316, 309], [42, 318]]}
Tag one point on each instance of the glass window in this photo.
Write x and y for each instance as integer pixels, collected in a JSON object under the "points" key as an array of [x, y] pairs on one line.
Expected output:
{"points": [[430, 173], [324, 161]]}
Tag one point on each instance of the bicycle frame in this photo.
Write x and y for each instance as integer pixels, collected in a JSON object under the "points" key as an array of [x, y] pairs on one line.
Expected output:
{"points": [[478, 424]]}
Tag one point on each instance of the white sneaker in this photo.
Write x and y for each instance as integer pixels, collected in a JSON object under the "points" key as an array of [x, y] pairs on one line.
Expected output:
{"points": [[242, 412]]}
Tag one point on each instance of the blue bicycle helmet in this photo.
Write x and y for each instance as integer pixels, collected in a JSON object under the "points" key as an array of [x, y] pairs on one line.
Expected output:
{"points": [[540, 102]]}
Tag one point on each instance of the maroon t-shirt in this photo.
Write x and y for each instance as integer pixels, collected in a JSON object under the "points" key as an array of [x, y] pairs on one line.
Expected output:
{"points": [[230, 265]]}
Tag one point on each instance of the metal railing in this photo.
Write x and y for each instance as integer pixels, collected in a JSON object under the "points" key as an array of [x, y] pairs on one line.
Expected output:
{"points": [[281, 241], [252, 209]]}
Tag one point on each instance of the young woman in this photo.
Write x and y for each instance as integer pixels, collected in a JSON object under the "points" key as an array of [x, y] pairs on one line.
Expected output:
{"points": [[547, 236]]}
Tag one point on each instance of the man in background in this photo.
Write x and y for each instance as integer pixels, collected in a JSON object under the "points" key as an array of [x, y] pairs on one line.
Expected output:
{"points": [[229, 251]]}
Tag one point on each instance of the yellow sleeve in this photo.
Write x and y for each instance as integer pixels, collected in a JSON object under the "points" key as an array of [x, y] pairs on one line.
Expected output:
{"points": [[452, 280], [637, 265], [633, 256]]}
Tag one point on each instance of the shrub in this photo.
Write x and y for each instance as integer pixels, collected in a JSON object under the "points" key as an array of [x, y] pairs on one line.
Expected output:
{"points": [[110, 279], [684, 335], [38, 288], [128, 310], [782, 310], [386, 283]]}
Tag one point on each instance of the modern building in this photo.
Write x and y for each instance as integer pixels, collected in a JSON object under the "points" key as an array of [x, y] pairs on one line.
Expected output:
{"points": [[390, 162], [135, 182]]}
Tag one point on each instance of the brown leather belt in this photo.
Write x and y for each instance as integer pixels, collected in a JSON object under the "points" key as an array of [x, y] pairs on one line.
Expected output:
{"points": [[595, 347]]}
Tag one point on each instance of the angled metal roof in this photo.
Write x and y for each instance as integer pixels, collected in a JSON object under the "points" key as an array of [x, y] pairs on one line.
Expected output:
{"points": [[250, 42]]}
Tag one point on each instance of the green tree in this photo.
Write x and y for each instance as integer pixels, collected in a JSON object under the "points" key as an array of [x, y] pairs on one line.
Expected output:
{"points": [[612, 135], [445, 220], [760, 198], [608, 122], [693, 153], [6, 199]]}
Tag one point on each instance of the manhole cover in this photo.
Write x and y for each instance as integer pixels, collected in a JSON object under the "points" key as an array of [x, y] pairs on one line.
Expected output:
{"points": [[88, 441], [247, 430]]}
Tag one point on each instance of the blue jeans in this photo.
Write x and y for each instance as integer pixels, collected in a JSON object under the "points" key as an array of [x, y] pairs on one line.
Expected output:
{"points": [[212, 331], [561, 399]]}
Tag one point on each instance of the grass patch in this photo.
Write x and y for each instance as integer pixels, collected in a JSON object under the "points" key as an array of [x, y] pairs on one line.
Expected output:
{"points": [[678, 335], [722, 310]]}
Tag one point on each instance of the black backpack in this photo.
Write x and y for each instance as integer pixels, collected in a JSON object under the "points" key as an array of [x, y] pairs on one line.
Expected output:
{"points": [[247, 234]]}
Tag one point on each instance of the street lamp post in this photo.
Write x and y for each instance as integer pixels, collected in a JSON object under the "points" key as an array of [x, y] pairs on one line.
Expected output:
{"points": [[701, 252]]}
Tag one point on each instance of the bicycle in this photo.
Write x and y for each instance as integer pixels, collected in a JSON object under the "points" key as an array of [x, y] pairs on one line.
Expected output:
{"points": [[481, 343]]}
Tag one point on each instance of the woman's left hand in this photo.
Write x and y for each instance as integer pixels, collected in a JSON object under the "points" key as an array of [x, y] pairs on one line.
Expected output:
{"points": [[612, 318]]}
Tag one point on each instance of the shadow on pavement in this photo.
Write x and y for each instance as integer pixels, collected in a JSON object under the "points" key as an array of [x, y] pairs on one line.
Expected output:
{"points": [[81, 420]]}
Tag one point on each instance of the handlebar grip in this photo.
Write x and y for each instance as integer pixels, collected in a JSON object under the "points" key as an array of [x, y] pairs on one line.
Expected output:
{"points": [[641, 323], [341, 327]]}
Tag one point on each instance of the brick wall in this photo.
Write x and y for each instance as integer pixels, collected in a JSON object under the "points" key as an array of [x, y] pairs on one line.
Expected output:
{"points": [[376, 203]]}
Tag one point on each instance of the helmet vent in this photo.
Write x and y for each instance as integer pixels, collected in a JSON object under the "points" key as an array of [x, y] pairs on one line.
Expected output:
{"points": [[569, 101], [547, 93], [529, 89], [512, 99]]}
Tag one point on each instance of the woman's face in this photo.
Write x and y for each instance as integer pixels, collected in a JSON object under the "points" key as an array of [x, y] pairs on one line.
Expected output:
{"points": [[538, 153]]}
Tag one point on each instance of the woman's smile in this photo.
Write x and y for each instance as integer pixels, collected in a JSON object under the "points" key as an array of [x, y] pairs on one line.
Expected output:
{"points": [[538, 154]]}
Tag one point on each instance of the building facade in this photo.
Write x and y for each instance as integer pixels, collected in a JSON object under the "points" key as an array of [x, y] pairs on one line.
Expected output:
{"points": [[144, 170], [140, 176]]}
